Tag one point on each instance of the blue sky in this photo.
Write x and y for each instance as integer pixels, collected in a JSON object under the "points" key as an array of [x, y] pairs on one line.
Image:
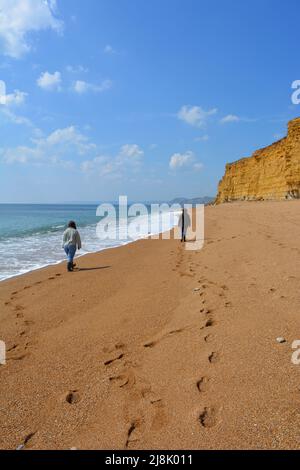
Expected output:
{"points": [[144, 98]]}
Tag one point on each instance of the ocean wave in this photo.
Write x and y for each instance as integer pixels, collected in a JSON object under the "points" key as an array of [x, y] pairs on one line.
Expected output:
{"points": [[36, 249]]}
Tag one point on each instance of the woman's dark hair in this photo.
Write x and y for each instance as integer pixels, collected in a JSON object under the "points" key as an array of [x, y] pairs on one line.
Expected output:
{"points": [[72, 224]]}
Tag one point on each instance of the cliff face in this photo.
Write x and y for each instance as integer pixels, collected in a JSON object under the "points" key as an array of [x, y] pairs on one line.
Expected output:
{"points": [[270, 173]]}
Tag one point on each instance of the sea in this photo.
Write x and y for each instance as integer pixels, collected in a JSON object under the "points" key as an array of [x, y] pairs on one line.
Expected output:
{"points": [[31, 234]]}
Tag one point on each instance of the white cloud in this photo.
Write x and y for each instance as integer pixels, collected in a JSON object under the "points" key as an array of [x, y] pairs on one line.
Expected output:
{"points": [[16, 98], [16, 119], [76, 69], [108, 49], [101, 165], [55, 149], [11, 100], [81, 87], [49, 81], [230, 118], [195, 115], [131, 152], [128, 158], [179, 160], [21, 154], [185, 160], [68, 138], [18, 18]]}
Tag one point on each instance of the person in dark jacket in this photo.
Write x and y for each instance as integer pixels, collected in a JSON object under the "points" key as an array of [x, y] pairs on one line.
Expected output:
{"points": [[184, 223]]}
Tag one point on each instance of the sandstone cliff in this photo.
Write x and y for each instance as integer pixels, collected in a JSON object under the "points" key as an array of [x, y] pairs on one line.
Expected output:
{"points": [[270, 173]]}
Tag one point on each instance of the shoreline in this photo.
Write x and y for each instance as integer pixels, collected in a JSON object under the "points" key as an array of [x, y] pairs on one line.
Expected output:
{"points": [[79, 255], [155, 347], [63, 261]]}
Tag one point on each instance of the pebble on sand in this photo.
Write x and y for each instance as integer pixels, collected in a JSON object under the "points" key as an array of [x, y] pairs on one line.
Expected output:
{"points": [[280, 339]]}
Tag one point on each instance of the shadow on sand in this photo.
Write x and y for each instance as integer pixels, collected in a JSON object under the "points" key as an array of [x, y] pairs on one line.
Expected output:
{"points": [[91, 269]]}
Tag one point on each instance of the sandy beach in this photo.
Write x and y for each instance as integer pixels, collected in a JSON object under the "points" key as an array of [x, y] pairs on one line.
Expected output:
{"points": [[150, 346]]}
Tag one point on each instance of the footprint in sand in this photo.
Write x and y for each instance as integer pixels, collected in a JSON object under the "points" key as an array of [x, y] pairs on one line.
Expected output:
{"points": [[116, 353], [114, 359], [19, 308], [210, 322], [126, 379], [150, 344], [208, 417], [134, 432], [208, 338], [12, 348], [186, 274], [149, 395], [214, 357], [132, 428], [202, 384], [111, 349], [160, 418], [174, 332], [72, 397], [26, 441], [224, 287]]}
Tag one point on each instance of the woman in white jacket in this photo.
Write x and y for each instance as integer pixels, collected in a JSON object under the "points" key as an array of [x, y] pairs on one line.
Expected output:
{"points": [[71, 242]]}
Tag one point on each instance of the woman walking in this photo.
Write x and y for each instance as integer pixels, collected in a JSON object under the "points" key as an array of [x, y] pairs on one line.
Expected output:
{"points": [[71, 242]]}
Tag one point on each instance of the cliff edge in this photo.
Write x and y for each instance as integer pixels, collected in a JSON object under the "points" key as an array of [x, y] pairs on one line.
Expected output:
{"points": [[270, 173]]}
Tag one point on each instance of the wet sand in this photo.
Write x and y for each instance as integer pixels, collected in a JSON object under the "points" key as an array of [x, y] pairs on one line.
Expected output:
{"points": [[150, 346]]}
